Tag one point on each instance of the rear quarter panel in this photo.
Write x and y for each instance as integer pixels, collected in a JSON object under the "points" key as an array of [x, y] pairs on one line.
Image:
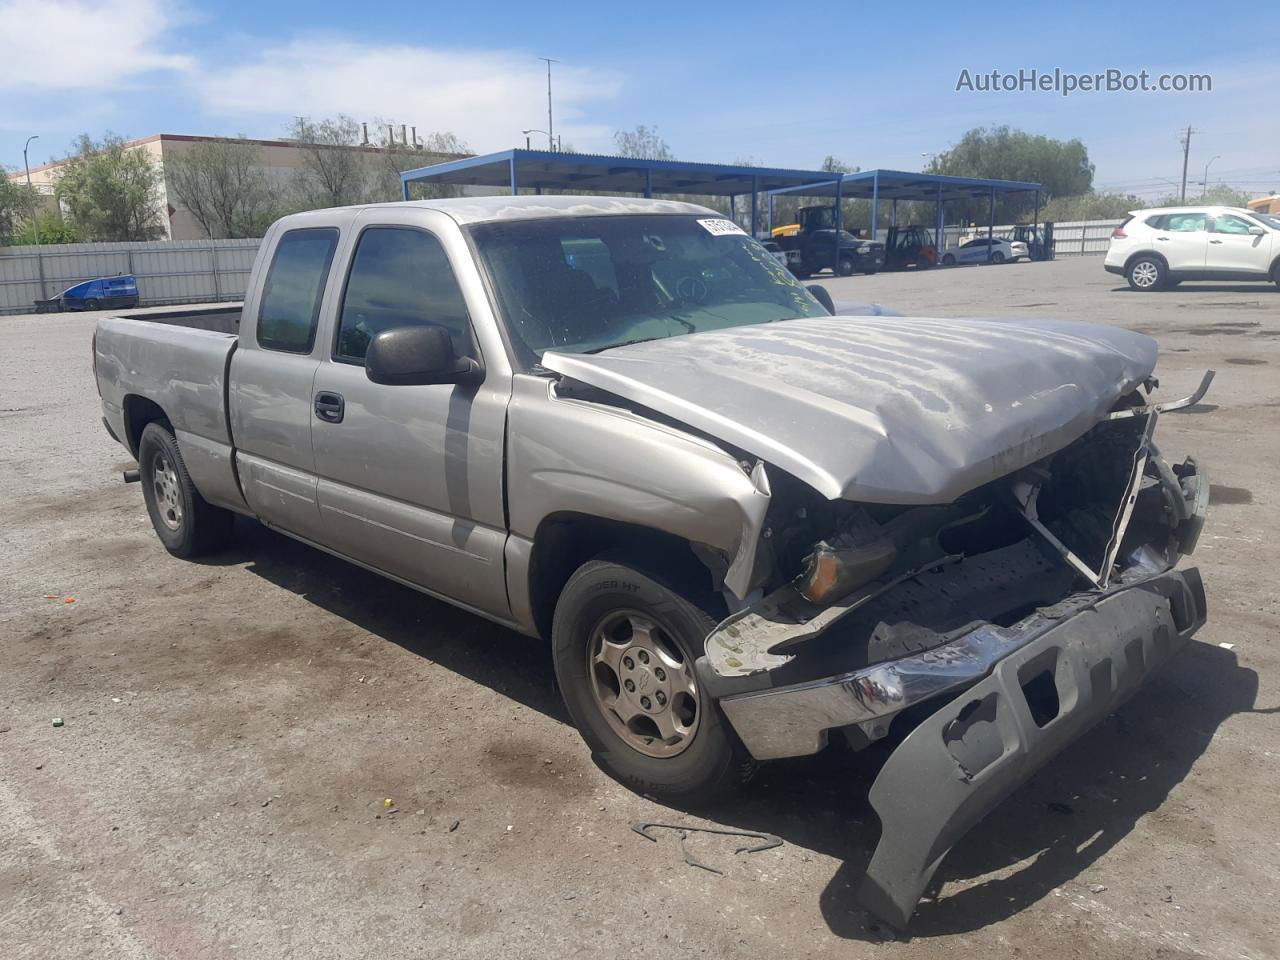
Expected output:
{"points": [[183, 371]]}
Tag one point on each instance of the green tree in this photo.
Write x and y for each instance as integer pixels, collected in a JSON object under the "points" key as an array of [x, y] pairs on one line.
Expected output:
{"points": [[111, 190], [642, 143], [223, 185], [1090, 206], [333, 171], [53, 229], [1062, 167], [16, 204]]}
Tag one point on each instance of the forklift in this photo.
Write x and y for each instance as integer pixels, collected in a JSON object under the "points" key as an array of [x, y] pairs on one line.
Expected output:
{"points": [[910, 247], [810, 245]]}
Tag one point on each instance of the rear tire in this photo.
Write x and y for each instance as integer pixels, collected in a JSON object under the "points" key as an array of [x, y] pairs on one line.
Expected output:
{"points": [[1147, 273], [187, 524], [609, 618], [948, 260]]}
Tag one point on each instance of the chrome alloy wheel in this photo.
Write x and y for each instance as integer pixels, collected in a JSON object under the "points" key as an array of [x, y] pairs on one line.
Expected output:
{"points": [[643, 683], [1145, 274], [164, 481]]}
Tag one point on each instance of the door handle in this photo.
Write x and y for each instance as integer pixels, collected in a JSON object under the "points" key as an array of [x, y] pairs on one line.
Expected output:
{"points": [[1215, 241], [1163, 238], [330, 406]]}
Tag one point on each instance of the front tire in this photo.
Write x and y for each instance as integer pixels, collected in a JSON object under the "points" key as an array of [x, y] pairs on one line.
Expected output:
{"points": [[1146, 274], [844, 267], [948, 260], [624, 646], [187, 524], [997, 257]]}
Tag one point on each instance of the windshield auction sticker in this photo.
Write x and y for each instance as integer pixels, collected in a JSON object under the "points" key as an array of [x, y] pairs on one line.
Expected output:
{"points": [[722, 228]]}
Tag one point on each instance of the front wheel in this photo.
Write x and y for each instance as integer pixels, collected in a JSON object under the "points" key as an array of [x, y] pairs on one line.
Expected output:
{"points": [[844, 267], [948, 261], [1146, 274], [624, 647], [185, 522], [997, 257]]}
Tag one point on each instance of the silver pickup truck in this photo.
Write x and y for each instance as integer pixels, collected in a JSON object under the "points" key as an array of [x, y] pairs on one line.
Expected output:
{"points": [[747, 527]]}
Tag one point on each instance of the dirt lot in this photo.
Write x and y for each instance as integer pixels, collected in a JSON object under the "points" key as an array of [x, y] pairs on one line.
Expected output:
{"points": [[233, 727]]}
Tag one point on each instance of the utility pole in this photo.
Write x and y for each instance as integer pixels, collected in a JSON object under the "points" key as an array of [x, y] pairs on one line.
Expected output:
{"points": [[1186, 154], [551, 143]]}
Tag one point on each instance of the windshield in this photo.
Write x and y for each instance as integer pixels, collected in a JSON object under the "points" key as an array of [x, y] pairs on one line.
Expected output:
{"points": [[1270, 220], [582, 285]]}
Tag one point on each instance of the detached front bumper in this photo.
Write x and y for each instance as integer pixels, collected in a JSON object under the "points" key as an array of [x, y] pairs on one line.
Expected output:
{"points": [[1028, 691], [963, 760]]}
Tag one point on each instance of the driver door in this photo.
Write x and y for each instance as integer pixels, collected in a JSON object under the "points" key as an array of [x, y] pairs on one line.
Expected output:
{"points": [[1233, 249], [410, 476]]}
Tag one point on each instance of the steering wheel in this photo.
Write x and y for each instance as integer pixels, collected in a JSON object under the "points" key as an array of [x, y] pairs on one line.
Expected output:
{"points": [[692, 289]]}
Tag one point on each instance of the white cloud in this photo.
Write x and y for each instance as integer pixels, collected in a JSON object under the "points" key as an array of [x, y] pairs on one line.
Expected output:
{"points": [[485, 97], [82, 44]]}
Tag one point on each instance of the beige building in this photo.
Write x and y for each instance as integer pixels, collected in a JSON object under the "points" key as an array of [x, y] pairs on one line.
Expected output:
{"points": [[279, 159]]}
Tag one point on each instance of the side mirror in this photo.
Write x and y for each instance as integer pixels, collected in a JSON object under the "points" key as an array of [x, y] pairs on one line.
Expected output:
{"points": [[416, 356], [819, 293], [1257, 232]]}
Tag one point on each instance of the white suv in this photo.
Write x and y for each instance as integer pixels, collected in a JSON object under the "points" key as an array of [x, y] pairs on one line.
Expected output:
{"points": [[1162, 247]]}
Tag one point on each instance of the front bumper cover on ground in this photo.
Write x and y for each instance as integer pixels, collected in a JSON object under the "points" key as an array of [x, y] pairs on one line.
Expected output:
{"points": [[967, 757]]}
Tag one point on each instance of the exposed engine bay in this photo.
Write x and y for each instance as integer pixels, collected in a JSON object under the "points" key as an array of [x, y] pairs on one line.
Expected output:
{"points": [[848, 585]]}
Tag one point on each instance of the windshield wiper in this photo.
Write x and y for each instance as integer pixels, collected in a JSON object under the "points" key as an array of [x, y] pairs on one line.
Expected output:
{"points": [[624, 343]]}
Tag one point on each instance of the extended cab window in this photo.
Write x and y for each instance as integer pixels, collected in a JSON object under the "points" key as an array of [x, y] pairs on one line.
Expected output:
{"points": [[400, 277], [294, 288]]}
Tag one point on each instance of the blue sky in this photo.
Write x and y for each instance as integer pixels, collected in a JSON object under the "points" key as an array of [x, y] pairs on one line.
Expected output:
{"points": [[873, 84]]}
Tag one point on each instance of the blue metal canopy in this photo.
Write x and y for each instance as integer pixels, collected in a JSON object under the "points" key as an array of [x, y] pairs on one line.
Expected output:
{"points": [[902, 185], [543, 170]]}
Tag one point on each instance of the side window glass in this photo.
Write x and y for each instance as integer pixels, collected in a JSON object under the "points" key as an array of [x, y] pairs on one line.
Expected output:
{"points": [[1230, 224], [399, 277], [1158, 222], [295, 286], [1186, 222]]}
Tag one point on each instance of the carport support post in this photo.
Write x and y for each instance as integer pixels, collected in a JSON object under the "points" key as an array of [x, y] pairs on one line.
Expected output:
{"points": [[769, 216], [941, 220], [893, 212], [755, 202], [404, 185], [875, 202], [835, 260], [991, 224], [515, 183], [648, 184], [1035, 230]]}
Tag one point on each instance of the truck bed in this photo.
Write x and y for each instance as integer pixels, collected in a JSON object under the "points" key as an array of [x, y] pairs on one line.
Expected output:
{"points": [[217, 320]]}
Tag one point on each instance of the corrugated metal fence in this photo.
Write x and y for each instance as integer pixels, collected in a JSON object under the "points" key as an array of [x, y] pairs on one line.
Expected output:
{"points": [[1083, 238], [167, 272]]}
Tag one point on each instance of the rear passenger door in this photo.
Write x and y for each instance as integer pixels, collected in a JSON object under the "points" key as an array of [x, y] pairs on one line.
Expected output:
{"points": [[1182, 239], [410, 476], [272, 372]]}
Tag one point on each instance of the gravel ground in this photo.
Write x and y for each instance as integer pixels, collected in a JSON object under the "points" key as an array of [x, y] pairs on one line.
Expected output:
{"points": [[234, 727]]}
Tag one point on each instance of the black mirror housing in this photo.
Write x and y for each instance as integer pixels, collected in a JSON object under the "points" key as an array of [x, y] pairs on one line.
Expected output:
{"points": [[820, 293], [418, 355]]}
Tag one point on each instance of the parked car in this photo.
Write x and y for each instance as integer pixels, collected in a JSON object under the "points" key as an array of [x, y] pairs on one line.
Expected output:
{"points": [[984, 250], [730, 514], [775, 250], [1157, 249], [101, 293]]}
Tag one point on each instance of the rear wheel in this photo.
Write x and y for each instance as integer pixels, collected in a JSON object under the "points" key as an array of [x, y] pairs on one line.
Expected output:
{"points": [[949, 260], [1146, 274], [185, 522], [624, 646]]}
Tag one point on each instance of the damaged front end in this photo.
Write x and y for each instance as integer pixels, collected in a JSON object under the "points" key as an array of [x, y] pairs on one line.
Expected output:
{"points": [[996, 629]]}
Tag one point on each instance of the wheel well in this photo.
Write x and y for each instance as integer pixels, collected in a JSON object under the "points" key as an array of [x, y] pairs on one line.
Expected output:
{"points": [[1146, 253], [138, 412], [565, 541]]}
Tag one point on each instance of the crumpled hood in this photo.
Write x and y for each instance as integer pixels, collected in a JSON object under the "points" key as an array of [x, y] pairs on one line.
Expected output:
{"points": [[882, 409]]}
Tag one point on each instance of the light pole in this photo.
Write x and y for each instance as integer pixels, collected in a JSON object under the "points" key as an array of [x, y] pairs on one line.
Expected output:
{"points": [[529, 131], [35, 214], [551, 140], [1204, 193]]}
